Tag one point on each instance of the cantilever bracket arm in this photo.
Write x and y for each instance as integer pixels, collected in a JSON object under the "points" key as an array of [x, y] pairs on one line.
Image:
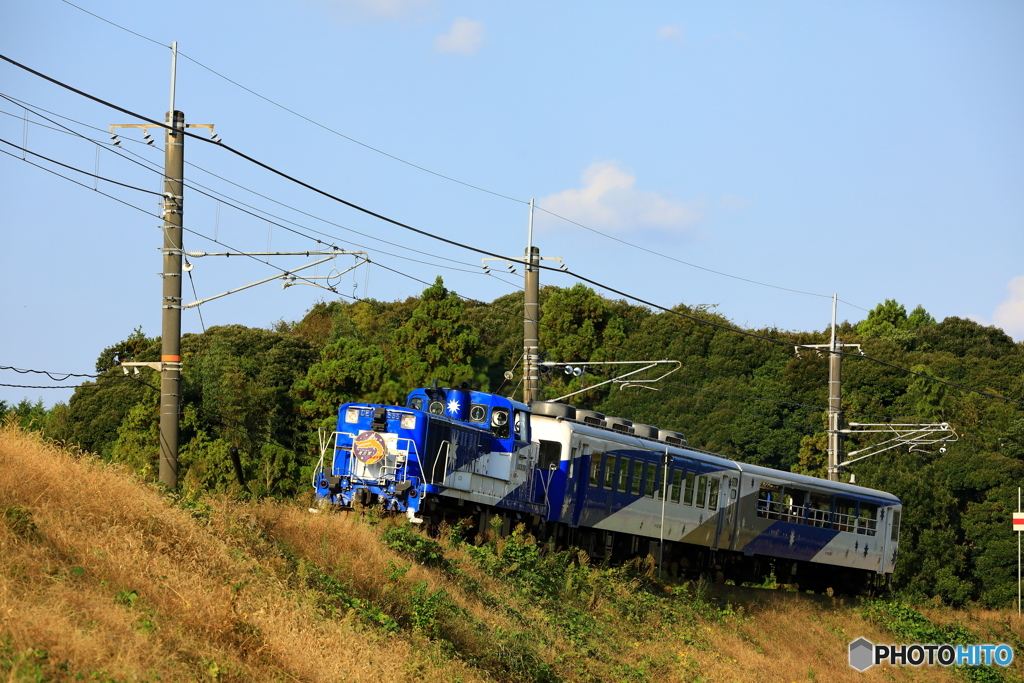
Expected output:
{"points": [[903, 434], [648, 364], [288, 276]]}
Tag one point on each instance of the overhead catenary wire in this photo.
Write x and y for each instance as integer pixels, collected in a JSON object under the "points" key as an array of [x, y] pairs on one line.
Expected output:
{"points": [[304, 118], [137, 208], [449, 178], [216, 241], [478, 250], [78, 170], [261, 214]]}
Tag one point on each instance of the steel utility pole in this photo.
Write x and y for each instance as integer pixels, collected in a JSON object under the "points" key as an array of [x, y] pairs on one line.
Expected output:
{"points": [[835, 395]]}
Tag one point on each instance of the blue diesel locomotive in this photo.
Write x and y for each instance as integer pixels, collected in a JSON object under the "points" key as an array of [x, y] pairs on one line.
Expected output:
{"points": [[607, 486]]}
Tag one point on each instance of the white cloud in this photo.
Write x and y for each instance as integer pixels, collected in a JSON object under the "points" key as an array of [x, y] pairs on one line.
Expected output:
{"points": [[609, 201], [671, 33], [1009, 315], [465, 37]]}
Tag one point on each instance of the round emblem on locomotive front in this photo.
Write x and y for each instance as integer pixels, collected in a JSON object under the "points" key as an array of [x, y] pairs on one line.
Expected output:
{"points": [[369, 447]]}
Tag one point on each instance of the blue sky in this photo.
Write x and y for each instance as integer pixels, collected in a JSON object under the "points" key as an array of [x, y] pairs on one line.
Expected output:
{"points": [[871, 149]]}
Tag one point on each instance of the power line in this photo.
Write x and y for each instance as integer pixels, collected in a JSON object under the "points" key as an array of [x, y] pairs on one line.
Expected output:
{"points": [[686, 263], [111, 380], [121, 201], [48, 170], [78, 170], [611, 237], [306, 118], [772, 400], [332, 289], [451, 179], [194, 186], [48, 373], [477, 249]]}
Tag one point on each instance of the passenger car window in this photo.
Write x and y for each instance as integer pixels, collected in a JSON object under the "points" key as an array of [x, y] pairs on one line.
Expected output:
{"points": [[624, 464], [609, 471], [713, 493], [638, 473], [677, 481], [595, 469], [702, 488]]}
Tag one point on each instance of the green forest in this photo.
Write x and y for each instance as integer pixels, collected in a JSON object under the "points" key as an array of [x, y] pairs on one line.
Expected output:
{"points": [[265, 392]]}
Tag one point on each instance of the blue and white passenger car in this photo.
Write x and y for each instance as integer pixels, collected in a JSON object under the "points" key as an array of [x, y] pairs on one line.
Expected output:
{"points": [[608, 486]]}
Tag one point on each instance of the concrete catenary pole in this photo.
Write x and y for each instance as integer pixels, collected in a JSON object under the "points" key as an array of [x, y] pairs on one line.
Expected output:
{"points": [[531, 317], [835, 402], [170, 351]]}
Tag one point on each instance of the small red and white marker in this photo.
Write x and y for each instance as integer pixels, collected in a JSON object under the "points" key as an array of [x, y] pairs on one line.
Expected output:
{"points": [[1018, 521]]}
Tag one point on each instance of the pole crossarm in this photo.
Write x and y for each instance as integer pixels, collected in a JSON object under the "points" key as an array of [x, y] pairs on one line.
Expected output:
{"points": [[511, 260], [159, 366], [146, 126], [288, 276], [619, 379], [828, 347], [909, 434]]}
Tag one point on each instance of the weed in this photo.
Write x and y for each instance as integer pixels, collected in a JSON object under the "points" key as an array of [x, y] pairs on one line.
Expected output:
{"points": [[425, 551], [29, 664], [20, 521], [429, 609], [913, 627], [126, 598]]}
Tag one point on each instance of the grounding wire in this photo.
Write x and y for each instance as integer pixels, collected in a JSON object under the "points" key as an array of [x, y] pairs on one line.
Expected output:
{"points": [[479, 302], [138, 208], [227, 199], [305, 118], [243, 210], [449, 178], [397, 223], [686, 263], [78, 170], [539, 208]]}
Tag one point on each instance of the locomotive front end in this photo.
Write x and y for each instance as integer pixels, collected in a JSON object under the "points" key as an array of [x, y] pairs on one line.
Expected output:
{"points": [[375, 459]]}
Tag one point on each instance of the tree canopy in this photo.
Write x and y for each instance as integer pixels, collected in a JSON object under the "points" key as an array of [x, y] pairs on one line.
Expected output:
{"points": [[265, 392]]}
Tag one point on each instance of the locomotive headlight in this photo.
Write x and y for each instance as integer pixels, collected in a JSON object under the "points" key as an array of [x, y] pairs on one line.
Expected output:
{"points": [[352, 415], [408, 422]]}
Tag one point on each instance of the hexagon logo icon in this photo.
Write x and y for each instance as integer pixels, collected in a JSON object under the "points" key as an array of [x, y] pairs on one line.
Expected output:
{"points": [[862, 654]]}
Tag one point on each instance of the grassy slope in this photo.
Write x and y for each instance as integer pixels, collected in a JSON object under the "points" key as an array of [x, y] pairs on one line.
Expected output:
{"points": [[102, 578]]}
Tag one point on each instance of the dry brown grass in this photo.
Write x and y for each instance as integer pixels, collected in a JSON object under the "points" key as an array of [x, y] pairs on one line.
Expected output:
{"points": [[789, 637], [227, 590], [204, 609]]}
